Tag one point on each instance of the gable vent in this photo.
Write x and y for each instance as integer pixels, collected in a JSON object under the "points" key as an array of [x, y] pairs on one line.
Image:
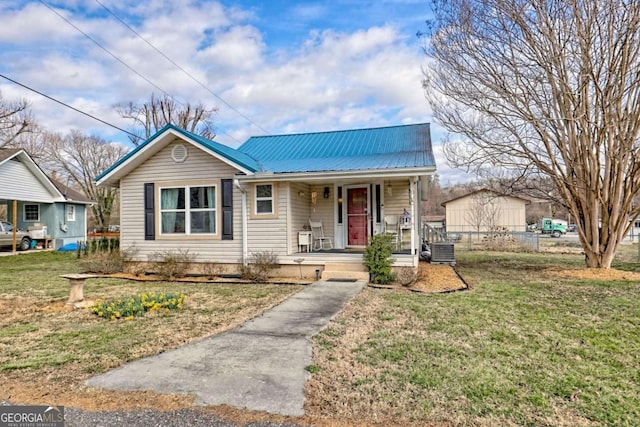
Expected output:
{"points": [[179, 153]]}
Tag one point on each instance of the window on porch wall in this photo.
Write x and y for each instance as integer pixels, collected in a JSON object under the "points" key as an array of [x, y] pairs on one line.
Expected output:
{"points": [[264, 199]]}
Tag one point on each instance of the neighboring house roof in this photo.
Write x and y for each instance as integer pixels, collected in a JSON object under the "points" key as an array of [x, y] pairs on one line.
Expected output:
{"points": [[395, 147], [70, 194], [483, 190], [165, 136], [7, 153]]}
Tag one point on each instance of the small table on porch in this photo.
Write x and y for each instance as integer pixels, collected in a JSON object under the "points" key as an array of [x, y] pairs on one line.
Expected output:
{"points": [[305, 238], [405, 229]]}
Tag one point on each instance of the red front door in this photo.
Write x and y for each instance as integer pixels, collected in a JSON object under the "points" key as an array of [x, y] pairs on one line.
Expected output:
{"points": [[357, 217]]}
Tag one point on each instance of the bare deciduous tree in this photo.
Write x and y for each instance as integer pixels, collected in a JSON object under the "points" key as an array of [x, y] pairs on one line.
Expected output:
{"points": [[151, 116], [81, 158], [433, 205], [484, 211], [546, 90], [476, 213], [15, 120]]}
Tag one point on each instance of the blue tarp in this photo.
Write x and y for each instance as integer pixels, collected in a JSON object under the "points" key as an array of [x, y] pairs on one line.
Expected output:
{"points": [[69, 247]]}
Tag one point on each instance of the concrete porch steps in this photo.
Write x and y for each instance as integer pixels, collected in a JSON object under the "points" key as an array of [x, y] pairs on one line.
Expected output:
{"points": [[343, 270]]}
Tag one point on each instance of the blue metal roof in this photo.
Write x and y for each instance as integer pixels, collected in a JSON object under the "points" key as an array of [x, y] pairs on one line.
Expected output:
{"points": [[392, 147], [227, 152]]}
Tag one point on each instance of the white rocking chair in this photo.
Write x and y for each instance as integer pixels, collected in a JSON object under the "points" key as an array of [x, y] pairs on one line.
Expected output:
{"points": [[320, 241], [391, 228]]}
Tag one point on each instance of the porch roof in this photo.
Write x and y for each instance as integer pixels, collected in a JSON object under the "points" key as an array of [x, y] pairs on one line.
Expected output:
{"points": [[395, 147]]}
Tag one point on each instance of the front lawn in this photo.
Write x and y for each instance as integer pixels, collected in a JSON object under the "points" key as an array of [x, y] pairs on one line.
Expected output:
{"points": [[537, 341], [47, 349]]}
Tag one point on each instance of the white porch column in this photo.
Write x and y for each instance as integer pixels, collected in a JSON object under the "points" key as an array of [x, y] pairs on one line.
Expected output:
{"points": [[245, 244], [413, 206]]}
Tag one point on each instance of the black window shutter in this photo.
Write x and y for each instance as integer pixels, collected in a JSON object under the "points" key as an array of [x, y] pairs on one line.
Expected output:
{"points": [[227, 209], [149, 214]]}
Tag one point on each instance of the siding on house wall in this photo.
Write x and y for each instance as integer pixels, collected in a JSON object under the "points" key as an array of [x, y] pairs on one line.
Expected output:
{"points": [[396, 200], [269, 234], [18, 183], [48, 216], [53, 215], [300, 211], [75, 229], [324, 209], [511, 214], [161, 168]]}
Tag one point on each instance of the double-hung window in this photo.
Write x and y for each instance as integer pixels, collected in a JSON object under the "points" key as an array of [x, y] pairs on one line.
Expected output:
{"points": [[188, 210], [264, 199], [31, 213], [71, 213]]}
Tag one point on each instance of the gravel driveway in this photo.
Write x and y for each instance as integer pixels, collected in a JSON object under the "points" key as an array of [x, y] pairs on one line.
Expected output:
{"points": [[153, 418]]}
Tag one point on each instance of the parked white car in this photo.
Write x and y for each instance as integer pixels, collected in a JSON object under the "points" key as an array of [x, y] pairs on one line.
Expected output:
{"points": [[6, 237]]}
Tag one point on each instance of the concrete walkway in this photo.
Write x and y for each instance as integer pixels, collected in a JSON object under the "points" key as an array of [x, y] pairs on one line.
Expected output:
{"points": [[259, 365]]}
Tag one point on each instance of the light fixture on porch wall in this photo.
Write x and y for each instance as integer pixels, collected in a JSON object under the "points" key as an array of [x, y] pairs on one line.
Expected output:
{"points": [[314, 196]]}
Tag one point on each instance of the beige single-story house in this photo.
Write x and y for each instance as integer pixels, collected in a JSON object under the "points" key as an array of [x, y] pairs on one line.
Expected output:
{"points": [[483, 210], [181, 191]]}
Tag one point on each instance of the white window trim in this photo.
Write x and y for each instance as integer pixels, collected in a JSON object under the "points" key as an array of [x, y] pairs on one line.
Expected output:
{"points": [[24, 212], [262, 199], [187, 210], [70, 213]]}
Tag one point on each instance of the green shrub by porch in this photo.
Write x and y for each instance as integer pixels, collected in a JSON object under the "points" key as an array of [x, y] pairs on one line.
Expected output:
{"points": [[378, 260]]}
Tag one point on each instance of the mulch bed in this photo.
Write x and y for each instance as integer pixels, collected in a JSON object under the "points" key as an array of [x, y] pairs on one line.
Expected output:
{"points": [[432, 278]]}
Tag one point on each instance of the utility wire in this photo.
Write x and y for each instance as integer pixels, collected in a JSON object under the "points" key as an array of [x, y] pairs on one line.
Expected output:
{"points": [[121, 61], [69, 106], [205, 87], [105, 49]]}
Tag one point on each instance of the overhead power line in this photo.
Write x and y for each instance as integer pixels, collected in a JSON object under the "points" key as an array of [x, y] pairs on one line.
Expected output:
{"points": [[69, 106], [97, 43], [114, 56], [205, 87]]}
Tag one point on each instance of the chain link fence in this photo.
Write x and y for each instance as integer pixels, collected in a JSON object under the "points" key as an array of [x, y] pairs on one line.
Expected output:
{"points": [[493, 240]]}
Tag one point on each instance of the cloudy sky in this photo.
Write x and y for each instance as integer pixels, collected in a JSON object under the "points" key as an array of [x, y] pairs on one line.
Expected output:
{"points": [[269, 66]]}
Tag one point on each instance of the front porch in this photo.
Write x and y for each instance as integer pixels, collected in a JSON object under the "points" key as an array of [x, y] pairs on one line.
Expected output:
{"points": [[335, 263], [352, 211]]}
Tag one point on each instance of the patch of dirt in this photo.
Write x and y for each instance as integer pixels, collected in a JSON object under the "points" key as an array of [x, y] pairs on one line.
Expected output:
{"points": [[591, 274]]}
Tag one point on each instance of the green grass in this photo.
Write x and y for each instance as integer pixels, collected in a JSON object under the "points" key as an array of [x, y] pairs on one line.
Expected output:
{"points": [[518, 348], [40, 335], [37, 273]]}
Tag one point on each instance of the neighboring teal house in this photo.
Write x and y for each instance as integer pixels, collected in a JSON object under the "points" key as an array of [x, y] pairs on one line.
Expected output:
{"points": [[34, 201], [181, 191]]}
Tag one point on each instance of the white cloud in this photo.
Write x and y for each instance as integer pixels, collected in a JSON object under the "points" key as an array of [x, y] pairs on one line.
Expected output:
{"points": [[327, 79], [31, 24]]}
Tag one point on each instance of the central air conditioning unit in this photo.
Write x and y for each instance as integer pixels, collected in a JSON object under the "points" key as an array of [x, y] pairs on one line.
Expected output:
{"points": [[443, 253]]}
